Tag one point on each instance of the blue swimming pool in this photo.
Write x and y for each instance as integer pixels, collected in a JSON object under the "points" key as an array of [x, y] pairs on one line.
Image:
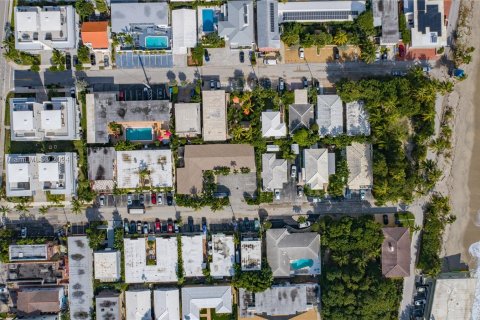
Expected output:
{"points": [[301, 263], [209, 20], [156, 42], [139, 134]]}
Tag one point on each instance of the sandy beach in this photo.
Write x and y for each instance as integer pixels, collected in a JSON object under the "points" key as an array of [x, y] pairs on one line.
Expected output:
{"points": [[462, 183]]}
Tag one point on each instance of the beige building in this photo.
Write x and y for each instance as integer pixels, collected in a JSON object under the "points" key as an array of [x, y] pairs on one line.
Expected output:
{"points": [[198, 158], [214, 115], [359, 159], [187, 119]]}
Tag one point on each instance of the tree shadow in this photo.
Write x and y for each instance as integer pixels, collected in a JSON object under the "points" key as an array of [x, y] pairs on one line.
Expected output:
{"points": [[182, 76], [171, 76]]}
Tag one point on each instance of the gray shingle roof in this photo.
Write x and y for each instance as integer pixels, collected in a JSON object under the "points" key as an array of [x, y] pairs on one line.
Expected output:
{"points": [[396, 252], [329, 115], [283, 247], [300, 116], [268, 35], [238, 25]]}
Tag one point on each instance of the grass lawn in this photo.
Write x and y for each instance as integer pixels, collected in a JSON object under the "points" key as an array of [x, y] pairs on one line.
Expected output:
{"points": [[224, 316]]}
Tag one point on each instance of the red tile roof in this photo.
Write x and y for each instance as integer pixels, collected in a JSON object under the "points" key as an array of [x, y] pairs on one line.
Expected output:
{"points": [[96, 34]]}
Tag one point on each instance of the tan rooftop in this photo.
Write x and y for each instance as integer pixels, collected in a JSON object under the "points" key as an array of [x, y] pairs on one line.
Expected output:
{"points": [[396, 252], [33, 301], [199, 158]]}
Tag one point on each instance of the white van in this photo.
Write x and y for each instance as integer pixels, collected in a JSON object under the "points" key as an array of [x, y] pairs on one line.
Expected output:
{"points": [[269, 61], [136, 210]]}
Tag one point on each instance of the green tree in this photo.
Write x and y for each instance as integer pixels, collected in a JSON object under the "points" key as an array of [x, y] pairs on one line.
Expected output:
{"points": [[368, 51], [58, 60], [83, 54], [253, 281], [43, 209], [291, 33], [303, 137], [84, 8], [364, 22], [96, 237], [341, 38], [404, 31], [197, 54], [4, 210], [76, 206], [101, 6]]}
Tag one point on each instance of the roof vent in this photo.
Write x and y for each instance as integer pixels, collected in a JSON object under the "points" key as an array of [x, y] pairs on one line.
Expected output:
{"points": [[391, 248]]}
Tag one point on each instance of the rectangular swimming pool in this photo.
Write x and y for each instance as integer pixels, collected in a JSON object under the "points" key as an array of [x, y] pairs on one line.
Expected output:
{"points": [[208, 17], [156, 42], [139, 134]]}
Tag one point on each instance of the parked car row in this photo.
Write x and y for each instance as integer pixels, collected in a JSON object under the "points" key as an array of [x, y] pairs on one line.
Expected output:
{"points": [[139, 227], [136, 199]]}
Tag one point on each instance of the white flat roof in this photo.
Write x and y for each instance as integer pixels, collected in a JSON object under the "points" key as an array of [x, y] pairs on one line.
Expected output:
{"points": [[18, 172], [251, 255], [26, 21], [184, 30], [51, 119], [130, 163], [136, 268], [454, 299], [138, 305], [22, 120], [107, 265], [202, 297], [48, 171], [166, 304], [192, 254], [50, 20], [214, 109], [223, 256]]}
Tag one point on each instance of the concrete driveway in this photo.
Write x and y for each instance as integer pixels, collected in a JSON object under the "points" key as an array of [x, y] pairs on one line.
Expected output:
{"points": [[226, 57], [238, 185]]}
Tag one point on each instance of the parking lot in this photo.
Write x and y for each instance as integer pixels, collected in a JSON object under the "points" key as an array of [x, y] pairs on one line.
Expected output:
{"points": [[121, 200], [225, 57], [139, 92], [129, 60]]}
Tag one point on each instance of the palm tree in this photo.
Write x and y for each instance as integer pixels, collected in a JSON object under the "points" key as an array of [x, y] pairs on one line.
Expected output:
{"points": [[77, 206], [341, 38], [43, 209], [4, 210], [21, 207]]}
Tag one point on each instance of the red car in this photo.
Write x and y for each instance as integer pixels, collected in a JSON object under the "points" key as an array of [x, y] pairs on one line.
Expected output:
{"points": [[154, 198], [158, 227], [170, 227], [401, 50]]}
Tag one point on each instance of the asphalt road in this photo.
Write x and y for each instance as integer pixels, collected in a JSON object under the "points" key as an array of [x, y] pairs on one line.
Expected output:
{"points": [[326, 73], [6, 79]]}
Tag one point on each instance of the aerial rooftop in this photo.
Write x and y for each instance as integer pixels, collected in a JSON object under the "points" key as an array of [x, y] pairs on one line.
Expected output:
{"points": [[28, 252], [274, 172], [359, 160], [103, 109], [31, 174], [138, 304], [127, 17], [192, 254], [251, 254], [162, 270], [198, 158], [57, 119], [45, 28], [237, 26], [166, 303], [214, 109], [187, 119], [203, 297], [107, 265], [293, 253], [144, 168], [80, 289], [223, 256]]}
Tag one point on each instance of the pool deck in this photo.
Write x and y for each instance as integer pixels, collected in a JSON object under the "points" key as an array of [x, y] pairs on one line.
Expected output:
{"points": [[200, 31]]}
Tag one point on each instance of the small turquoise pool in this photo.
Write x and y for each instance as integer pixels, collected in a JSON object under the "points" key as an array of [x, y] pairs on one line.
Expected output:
{"points": [[301, 263], [139, 134], [156, 42], [209, 20]]}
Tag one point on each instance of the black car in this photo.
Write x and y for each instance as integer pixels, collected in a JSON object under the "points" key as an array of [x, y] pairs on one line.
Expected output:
{"points": [[169, 199], [266, 83], [141, 198], [242, 57], [68, 61], [305, 82], [336, 53], [190, 224], [385, 219], [92, 59], [75, 60], [133, 226], [105, 61], [207, 56]]}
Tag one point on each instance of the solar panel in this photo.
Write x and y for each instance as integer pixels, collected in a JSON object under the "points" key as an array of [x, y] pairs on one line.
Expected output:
{"points": [[245, 14], [318, 15], [272, 21]]}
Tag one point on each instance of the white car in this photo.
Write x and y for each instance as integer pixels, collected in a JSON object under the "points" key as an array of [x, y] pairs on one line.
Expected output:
{"points": [[277, 194], [301, 53], [23, 232], [293, 171]]}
